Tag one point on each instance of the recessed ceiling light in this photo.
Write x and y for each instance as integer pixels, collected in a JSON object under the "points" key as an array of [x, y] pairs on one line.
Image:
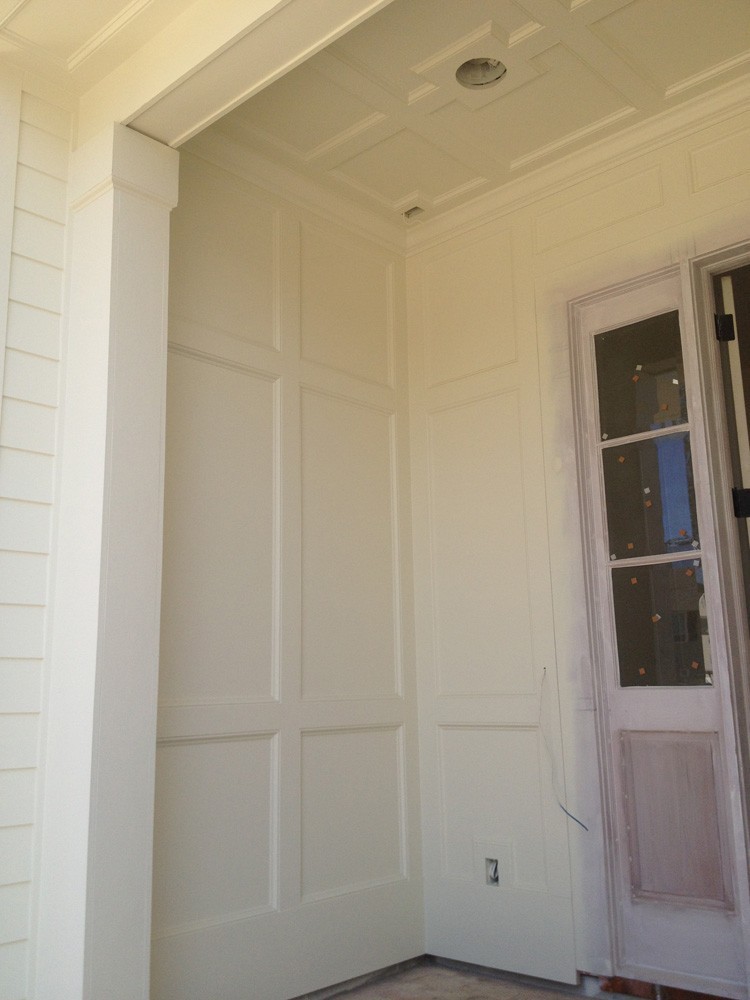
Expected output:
{"points": [[478, 73]]}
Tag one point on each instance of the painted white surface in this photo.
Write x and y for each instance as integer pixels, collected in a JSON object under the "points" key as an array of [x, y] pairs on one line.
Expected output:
{"points": [[702, 203], [95, 868], [287, 829], [620, 221], [34, 156]]}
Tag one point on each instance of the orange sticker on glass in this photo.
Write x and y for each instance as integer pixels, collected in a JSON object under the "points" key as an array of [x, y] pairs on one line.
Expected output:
{"points": [[689, 572], [620, 459], [631, 545], [642, 671], [655, 618], [634, 580], [683, 533], [636, 377], [649, 503], [695, 665], [664, 406]]}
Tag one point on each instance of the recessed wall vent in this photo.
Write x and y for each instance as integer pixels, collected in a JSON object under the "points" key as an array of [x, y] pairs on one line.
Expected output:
{"points": [[413, 212]]}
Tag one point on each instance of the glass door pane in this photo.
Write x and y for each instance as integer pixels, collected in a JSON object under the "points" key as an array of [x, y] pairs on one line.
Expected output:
{"points": [[640, 375]]}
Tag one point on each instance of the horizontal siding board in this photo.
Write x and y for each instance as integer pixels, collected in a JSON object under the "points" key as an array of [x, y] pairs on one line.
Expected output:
{"points": [[45, 116], [31, 378], [14, 912], [17, 796], [15, 854], [43, 151], [22, 629], [14, 963], [41, 194], [20, 687], [27, 426], [23, 578], [38, 238], [19, 739], [35, 284], [24, 527], [26, 476], [33, 330]]}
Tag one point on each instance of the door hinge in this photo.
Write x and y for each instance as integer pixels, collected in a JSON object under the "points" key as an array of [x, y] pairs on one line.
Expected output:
{"points": [[741, 502], [724, 323]]}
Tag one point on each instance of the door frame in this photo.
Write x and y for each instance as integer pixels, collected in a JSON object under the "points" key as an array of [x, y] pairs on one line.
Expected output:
{"points": [[711, 461], [729, 563]]}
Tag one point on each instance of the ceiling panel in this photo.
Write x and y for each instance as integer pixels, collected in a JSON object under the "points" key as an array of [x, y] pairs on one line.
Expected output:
{"points": [[567, 97], [404, 170], [672, 41], [379, 117], [306, 111], [62, 28]]}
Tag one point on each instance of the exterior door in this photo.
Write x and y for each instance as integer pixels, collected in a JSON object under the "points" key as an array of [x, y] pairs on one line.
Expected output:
{"points": [[678, 875]]}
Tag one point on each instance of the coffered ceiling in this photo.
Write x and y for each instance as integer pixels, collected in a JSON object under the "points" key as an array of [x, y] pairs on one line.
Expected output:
{"points": [[378, 116]]}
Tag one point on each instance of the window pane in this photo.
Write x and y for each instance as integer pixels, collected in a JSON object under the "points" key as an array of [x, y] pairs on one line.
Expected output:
{"points": [[650, 497], [640, 377], [660, 619]]}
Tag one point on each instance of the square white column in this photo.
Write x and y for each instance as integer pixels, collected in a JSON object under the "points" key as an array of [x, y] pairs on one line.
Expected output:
{"points": [[95, 872]]}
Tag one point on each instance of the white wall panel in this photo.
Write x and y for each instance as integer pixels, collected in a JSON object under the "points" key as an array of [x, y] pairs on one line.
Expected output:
{"points": [[215, 830], [478, 530], [468, 311], [492, 799], [350, 643], [590, 211], [352, 810], [229, 280], [286, 552], [722, 159], [219, 609], [346, 305]]}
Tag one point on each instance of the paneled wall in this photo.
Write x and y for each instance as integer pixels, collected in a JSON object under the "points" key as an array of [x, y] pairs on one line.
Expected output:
{"points": [[490, 728], [33, 195], [287, 824], [500, 600]]}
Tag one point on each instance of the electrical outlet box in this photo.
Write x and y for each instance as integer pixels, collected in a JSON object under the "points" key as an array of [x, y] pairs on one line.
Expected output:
{"points": [[493, 864]]}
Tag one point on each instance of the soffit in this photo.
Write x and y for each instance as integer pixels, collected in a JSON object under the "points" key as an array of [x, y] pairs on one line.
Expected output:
{"points": [[378, 117], [78, 43]]}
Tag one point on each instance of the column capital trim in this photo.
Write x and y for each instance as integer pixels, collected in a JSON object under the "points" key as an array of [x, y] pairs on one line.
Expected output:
{"points": [[121, 159]]}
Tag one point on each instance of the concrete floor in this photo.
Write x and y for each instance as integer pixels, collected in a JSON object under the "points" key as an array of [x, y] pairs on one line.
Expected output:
{"points": [[434, 982]]}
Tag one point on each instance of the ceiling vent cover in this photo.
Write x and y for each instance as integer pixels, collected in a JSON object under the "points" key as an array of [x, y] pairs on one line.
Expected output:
{"points": [[478, 73]]}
